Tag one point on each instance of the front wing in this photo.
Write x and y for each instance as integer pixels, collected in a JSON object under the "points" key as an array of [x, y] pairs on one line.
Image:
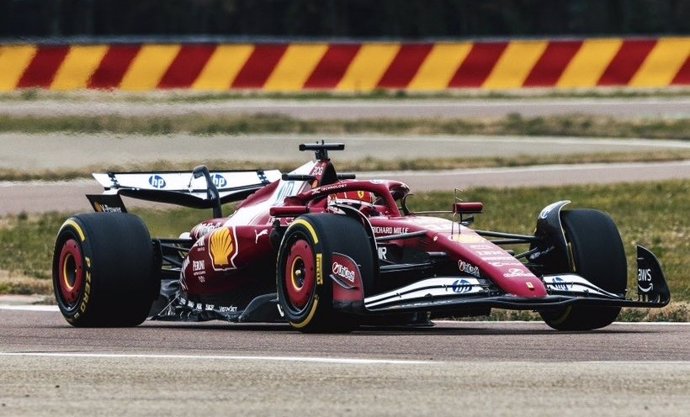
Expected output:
{"points": [[461, 293]]}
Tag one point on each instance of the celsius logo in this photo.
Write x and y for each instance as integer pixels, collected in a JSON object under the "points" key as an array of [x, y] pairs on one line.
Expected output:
{"points": [[219, 180], [157, 181], [461, 285]]}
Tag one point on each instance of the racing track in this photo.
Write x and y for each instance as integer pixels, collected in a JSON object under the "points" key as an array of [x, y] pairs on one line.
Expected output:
{"points": [[458, 368], [96, 105], [38, 196], [516, 369], [56, 151]]}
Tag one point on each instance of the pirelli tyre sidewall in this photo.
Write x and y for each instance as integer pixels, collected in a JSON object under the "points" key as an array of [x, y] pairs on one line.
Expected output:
{"points": [[103, 270], [305, 290], [598, 255]]}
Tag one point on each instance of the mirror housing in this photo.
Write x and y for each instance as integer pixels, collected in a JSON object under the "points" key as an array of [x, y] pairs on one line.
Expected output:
{"points": [[468, 207]]}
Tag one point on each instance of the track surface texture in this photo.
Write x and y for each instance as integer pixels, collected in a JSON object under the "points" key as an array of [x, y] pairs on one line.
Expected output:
{"points": [[455, 368], [31, 152], [59, 151], [511, 369], [357, 109]]}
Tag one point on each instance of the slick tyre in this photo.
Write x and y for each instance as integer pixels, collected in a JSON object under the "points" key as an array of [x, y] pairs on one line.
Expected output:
{"points": [[305, 289], [598, 256], [103, 270]]}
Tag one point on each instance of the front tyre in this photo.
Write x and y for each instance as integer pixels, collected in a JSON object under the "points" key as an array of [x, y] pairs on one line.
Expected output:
{"points": [[598, 256], [103, 270], [305, 289]]}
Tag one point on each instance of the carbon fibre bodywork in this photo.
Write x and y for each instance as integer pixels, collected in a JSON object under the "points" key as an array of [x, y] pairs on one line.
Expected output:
{"points": [[426, 264]]}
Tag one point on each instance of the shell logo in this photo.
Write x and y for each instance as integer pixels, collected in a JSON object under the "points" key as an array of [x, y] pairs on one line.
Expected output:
{"points": [[222, 247]]}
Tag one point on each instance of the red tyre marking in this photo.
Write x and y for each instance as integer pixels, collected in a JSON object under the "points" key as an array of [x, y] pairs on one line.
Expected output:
{"points": [[300, 274], [71, 271]]}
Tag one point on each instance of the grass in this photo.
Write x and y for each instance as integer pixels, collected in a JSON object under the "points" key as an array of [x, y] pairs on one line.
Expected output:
{"points": [[361, 165], [651, 214], [207, 124]]}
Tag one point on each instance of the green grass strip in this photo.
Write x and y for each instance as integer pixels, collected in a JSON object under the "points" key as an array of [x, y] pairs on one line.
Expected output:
{"points": [[651, 214]]}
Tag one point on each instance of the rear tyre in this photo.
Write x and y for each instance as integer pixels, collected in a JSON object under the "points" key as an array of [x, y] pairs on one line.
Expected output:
{"points": [[598, 256], [103, 270], [305, 289]]}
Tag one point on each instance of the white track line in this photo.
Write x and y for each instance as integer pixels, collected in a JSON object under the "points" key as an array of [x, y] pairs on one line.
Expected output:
{"points": [[51, 309], [36, 307], [346, 361], [625, 323]]}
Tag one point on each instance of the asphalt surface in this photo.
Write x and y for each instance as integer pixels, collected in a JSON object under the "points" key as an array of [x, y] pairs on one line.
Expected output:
{"points": [[32, 152], [666, 107], [29, 153], [40, 196], [516, 369], [454, 368]]}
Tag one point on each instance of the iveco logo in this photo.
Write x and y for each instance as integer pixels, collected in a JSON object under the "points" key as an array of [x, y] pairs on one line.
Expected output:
{"points": [[219, 180], [157, 181]]}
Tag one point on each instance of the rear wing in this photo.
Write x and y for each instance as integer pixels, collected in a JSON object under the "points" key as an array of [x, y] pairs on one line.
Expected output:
{"points": [[198, 189]]}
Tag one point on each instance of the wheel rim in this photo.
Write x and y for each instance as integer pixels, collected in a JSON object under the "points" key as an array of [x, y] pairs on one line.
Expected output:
{"points": [[71, 272], [300, 276]]}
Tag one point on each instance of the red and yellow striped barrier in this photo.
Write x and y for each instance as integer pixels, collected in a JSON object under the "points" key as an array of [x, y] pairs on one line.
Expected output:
{"points": [[350, 67]]}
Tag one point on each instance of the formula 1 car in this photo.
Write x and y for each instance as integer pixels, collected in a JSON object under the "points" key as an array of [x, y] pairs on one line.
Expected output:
{"points": [[326, 252]]}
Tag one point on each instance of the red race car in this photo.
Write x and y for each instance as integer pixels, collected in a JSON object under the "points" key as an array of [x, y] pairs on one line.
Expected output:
{"points": [[327, 252]]}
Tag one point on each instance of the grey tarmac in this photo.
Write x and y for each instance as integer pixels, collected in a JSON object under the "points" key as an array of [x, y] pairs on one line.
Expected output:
{"points": [[42, 196], [32, 152], [350, 109], [454, 368], [28, 152]]}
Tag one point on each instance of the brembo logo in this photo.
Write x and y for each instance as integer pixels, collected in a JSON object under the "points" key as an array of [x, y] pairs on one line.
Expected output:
{"points": [[343, 271]]}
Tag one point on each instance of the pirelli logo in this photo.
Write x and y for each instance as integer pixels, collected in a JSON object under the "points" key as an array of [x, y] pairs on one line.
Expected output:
{"points": [[319, 269], [350, 67]]}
